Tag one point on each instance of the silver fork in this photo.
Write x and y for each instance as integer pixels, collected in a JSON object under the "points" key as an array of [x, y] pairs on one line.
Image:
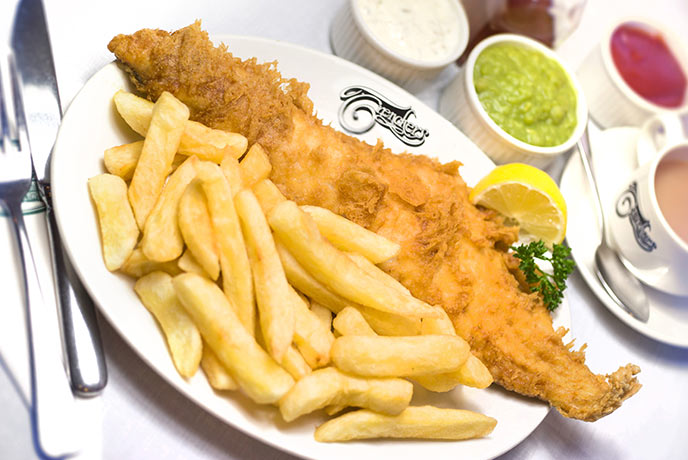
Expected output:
{"points": [[53, 405]]}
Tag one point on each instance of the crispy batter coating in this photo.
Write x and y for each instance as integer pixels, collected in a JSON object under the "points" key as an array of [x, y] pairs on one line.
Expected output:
{"points": [[453, 254]]}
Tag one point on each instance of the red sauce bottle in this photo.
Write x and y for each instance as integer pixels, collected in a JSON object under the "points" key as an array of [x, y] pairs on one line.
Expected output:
{"points": [[648, 66]]}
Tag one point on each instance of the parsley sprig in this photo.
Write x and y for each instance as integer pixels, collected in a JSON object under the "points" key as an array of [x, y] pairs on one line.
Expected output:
{"points": [[550, 286]]}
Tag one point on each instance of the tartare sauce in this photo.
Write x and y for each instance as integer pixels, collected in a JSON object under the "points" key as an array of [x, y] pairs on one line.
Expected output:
{"points": [[425, 30]]}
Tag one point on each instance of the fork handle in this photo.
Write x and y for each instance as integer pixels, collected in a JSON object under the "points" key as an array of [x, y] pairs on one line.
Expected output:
{"points": [[53, 405], [80, 332]]}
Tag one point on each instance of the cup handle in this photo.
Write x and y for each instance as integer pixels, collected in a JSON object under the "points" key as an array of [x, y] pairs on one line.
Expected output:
{"points": [[656, 133]]}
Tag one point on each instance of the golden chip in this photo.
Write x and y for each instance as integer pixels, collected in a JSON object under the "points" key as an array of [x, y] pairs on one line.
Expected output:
{"points": [[211, 144], [188, 263], [162, 239], [268, 195], [158, 296], [425, 422], [138, 265], [294, 363], [273, 296], [255, 166], [218, 377], [237, 282], [323, 314], [159, 149], [230, 168], [351, 322], [118, 229], [349, 236], [258, 375], [197, 139], [197, 228], [297, 231], [379, 356], [313, 340], [329, 386], [122, 160]]}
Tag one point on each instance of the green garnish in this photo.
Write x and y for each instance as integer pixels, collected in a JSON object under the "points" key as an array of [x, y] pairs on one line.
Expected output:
{"points": [[550, 286]]}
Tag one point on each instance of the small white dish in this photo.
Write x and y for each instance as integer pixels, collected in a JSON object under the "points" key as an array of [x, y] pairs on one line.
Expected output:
{"points": [[611, 101], [353, 39], [459, 103], [614, 158]]}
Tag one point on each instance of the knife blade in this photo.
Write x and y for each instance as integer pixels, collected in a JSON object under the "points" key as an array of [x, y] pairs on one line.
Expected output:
{"points": [[33, 56]]}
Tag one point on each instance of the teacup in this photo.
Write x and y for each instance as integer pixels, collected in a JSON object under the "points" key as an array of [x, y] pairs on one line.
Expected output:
{"points": [[659, 132], [648, 223]]}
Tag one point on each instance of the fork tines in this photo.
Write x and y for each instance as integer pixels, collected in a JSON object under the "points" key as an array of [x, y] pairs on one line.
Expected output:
{"points": [[12, 120]]}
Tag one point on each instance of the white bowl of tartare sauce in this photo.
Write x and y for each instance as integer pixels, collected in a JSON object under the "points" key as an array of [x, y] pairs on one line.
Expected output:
{"points": [[406, 41]]}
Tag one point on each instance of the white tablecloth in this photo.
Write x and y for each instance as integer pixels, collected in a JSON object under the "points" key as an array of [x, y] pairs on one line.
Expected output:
{"points": [[139, 416]]}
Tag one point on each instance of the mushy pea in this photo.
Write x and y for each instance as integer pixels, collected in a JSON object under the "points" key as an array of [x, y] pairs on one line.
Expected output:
{"points": [[526, 93]]}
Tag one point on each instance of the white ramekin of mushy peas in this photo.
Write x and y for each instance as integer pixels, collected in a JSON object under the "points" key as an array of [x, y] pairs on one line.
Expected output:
{"points": [[517, 101], [406, 41]]}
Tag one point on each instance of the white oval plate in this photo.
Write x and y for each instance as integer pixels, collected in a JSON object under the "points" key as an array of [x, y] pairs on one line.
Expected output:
{"points": [[92, 125], [614, 156]]}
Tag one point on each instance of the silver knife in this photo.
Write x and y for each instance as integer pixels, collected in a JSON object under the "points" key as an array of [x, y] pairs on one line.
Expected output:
{"points": [[33, 55]]}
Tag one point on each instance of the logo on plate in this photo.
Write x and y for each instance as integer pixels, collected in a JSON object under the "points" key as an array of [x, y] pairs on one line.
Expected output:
{"points": [[364, 107], [627, 206]]}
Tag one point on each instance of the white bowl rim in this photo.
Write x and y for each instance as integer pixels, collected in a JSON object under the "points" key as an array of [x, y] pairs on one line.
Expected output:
{"points": [[581, 104], [407, 61], [675, 46]]}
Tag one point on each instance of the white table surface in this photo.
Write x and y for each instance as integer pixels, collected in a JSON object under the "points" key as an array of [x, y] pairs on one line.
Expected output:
{"points": [[140, 416]]}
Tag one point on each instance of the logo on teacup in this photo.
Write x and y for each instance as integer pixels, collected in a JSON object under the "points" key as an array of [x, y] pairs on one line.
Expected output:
{"points": [[627, 206], [364, 107]]}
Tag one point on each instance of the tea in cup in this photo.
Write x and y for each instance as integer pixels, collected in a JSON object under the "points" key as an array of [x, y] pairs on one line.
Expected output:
{"points": [[648, 225]]}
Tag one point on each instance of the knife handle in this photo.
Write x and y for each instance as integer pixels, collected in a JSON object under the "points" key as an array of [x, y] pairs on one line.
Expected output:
{"points": [[80, 332]]}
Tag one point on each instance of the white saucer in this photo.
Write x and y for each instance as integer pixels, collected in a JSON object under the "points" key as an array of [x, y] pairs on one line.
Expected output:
{"points": [[614, 157]]}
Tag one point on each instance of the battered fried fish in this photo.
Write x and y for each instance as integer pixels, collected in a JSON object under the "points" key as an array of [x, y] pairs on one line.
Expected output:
{"points": [[453, 254]]}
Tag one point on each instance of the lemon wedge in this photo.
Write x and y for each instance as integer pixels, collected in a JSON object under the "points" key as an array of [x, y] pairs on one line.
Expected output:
{"points": [[527, 195]]}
